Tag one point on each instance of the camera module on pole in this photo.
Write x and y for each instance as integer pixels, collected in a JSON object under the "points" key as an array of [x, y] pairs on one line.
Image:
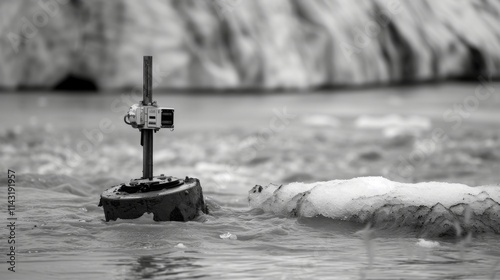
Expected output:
{"points": [[167, 197]]}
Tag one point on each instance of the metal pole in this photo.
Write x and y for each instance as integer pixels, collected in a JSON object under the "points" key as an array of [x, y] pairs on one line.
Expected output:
{"points": [[147, 134]]}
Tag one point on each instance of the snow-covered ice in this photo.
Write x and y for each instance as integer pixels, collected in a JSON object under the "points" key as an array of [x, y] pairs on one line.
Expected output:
{"points": [[431, 208]]}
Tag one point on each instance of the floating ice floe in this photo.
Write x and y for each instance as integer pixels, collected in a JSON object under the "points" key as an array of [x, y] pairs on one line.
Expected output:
{"points": [[320, 120], [427, 243], [383, 122], [228, 235], [180, 245], [431, 209]]}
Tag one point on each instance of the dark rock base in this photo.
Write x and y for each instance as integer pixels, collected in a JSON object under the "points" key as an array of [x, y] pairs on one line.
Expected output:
{"points": [[183, 203]]}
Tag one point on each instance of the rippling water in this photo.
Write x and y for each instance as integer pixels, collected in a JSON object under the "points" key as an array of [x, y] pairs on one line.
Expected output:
{"points": [[231, 144]]}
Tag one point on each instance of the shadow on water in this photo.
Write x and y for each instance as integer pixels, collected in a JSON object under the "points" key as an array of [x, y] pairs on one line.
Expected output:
{"points": [[322, 223], [162, 267]]}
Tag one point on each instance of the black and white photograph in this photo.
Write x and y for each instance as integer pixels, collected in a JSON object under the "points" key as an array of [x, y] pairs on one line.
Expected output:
{"points": [[250, 139]]}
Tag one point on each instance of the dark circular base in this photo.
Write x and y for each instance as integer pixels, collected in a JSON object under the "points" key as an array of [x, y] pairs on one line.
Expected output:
{"points": [[180, 203]]}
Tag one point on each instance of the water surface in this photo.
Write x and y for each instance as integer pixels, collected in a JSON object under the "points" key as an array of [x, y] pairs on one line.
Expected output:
{"points": [[232, 143]]}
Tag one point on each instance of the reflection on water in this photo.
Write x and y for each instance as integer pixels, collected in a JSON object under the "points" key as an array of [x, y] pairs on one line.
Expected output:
{"points": [[162, 267]]}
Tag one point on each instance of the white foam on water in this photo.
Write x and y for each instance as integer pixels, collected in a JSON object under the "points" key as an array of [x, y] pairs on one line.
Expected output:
{"points": [[432, 208], [427, 243], [228, 235], [145, 219], [321, 120], [382, 122], [181, 246]]}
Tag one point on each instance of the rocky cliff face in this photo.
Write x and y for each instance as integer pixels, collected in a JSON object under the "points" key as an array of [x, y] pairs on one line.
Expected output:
{"points": [[258, 44]]}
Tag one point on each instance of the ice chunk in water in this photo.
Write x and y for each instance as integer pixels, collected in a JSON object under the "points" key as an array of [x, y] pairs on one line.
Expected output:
{"points": [[320, 120], [180, 245], [228, 235], [427, 243], [432, 208], [373, 122]]}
